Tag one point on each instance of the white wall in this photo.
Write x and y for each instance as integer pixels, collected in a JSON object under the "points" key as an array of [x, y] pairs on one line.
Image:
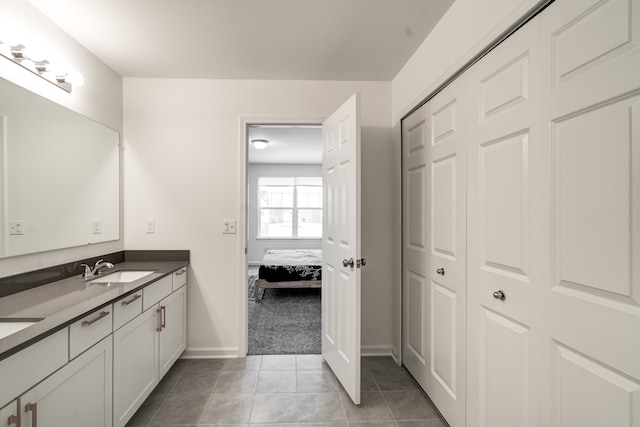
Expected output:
{"points": [[258, 247], [183, 160], [100, 98]]}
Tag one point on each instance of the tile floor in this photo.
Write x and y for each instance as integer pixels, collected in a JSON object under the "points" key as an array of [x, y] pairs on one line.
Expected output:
{"points": [[290, 391]]}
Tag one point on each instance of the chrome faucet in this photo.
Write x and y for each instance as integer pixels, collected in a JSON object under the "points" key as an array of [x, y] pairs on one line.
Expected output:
{"points": [[100, 265]]}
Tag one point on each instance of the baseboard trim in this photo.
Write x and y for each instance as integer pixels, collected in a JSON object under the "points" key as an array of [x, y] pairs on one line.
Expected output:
{"points": [[376, 350], [210, 353]]}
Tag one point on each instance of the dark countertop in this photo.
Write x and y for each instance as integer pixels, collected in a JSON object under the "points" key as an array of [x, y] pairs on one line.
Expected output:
{"points": [[62, 302]]}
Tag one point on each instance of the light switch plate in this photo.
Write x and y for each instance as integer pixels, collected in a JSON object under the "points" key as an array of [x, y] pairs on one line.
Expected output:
{"points": [[150, 226], [229, 226], [16, 227]]}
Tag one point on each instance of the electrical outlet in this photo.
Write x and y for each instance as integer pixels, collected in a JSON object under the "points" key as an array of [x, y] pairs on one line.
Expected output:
{"points": [[150, 226], [16, 227], [229, 226], [96, 226]]}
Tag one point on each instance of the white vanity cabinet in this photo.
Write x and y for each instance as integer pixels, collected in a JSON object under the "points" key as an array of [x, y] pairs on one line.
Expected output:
{"points": [[145, 348], [9, 415], [79, 394]]}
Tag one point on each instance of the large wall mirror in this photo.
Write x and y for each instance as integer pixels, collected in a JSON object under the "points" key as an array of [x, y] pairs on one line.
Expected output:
{"points": [[59, 176]]}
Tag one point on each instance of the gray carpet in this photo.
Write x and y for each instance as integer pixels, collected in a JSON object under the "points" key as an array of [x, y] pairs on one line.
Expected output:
{"points": [[284, 321]]}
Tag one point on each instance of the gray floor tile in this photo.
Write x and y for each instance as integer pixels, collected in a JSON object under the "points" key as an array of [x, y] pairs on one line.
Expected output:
{"points": [[274, 408], [378, 362], [373, 424], [236, 382], [278, 363], [316, 382], [180, 409], [228, 409], [372, 407], [205, 365], [410, 405], [311, 362], [327, 424], [427, 423], [367, 382], [147, 410], [249, 363], [314, 407], [276, 382], [397, 379], [196, 382], [168, 382]]}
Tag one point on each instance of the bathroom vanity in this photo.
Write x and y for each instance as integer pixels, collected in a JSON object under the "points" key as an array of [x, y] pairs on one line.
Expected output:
{"points": [[79, 352]]}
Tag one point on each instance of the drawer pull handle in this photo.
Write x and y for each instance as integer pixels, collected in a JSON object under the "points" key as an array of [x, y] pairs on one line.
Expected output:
{"points": [[181, 272], [163, 318], [135, 297], [33, 408], [100, 316], [14, 419]]}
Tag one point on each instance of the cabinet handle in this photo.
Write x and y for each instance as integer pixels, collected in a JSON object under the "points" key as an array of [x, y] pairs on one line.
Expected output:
{"points": [[33, 408], [181, 272], [100, 316], [135, 297], [163, 318], [14, 419]]}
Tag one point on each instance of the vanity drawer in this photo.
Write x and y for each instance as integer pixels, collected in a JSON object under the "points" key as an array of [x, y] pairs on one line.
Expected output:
{"points": [[89, 330], [152, 294], [179, 278], [126, 309], [22, 370]]}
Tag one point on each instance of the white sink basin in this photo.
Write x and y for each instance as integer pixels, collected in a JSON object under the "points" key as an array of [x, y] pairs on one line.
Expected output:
{"points": [[10, 326], [123, 276]]}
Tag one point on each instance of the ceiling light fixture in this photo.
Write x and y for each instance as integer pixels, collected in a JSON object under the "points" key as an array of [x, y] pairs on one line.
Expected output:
{"points": [[259, 144], [39, 66]]}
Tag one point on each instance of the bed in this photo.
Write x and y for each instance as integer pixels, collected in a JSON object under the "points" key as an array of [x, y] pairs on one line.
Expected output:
{"points": [[290, 268]]}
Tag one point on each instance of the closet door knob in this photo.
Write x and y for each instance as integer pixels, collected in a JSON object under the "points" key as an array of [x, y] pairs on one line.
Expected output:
{"points": [[348, 262], [440, 271], [499, 295]]}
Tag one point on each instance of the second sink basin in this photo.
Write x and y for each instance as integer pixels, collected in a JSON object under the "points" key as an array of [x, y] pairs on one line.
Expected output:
{"points": [[11, 325], [122, 276]]}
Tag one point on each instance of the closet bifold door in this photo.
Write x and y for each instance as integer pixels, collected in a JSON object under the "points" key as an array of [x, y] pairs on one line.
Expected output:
{"points": [[505, 227], [591, 66], [434, 249]]}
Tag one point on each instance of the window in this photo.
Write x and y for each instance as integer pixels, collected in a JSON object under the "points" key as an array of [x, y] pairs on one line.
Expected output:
{"points": [[290, 207]]}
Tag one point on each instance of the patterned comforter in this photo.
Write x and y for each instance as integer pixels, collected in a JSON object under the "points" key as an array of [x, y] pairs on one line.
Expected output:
{"points": [[287, 265]]}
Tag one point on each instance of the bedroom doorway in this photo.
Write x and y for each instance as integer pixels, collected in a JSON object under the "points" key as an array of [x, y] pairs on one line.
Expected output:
{"points": [[284, 232]]}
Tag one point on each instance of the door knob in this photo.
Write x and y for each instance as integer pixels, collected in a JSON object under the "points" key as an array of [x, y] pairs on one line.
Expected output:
{"points": [[499, 295], [440, 271], [348, 262]]}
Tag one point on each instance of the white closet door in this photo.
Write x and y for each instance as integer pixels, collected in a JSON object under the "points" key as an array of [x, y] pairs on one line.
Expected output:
{"points": [[435, 249], [504, 228], [591, 63]]}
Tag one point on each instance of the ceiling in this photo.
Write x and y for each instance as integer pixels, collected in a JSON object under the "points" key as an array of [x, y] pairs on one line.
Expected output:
{"points": [[287, 144], [250, 39]]}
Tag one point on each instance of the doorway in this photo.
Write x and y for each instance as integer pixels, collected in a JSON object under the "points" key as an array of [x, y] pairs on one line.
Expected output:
{"points": [[284, 236]]}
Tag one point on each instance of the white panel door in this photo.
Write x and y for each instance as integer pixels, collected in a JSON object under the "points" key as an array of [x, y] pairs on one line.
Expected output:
{"points": [[591, 66], [341, 245], [504, 232], [434, 244]]}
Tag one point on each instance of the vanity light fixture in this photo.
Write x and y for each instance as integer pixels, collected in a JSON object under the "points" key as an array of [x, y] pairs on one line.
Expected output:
{"points": [[39, 66], [260, 144]]}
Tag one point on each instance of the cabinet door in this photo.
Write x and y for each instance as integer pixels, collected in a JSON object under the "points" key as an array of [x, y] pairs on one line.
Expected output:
{"points": [[78, 395], [173, 332], [9, 415], [135, 365]]}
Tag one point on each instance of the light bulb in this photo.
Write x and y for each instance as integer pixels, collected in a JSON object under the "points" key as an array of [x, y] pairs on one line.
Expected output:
{"points": [[259, 144]]}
